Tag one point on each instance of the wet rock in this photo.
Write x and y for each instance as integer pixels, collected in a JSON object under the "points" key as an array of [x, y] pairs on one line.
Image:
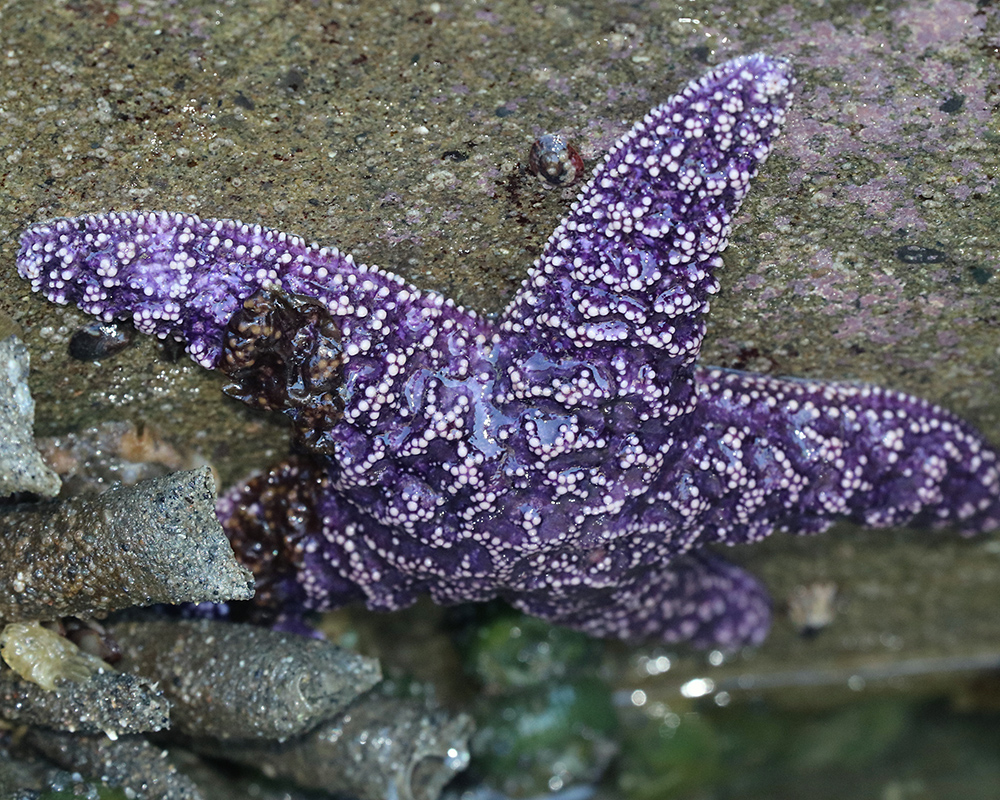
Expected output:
{"points": [[96, 458], [23, 776]]}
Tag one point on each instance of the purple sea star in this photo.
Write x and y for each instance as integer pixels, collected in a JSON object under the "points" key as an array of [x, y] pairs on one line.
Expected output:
{"points": [[569, 457]]}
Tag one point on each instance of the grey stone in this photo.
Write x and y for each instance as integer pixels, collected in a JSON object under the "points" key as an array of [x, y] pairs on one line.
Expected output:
{"points": [[21, 466]]}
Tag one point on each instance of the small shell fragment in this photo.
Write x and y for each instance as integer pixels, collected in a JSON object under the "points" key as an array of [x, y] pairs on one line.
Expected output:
{"points": [[98, 340], [96, 458], [555, 160], [812, 607]]}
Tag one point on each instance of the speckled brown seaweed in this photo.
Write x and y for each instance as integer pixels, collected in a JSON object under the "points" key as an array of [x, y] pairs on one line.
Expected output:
{"points": [[282, 352], [238, 681], [379, 748], [155, 542]]}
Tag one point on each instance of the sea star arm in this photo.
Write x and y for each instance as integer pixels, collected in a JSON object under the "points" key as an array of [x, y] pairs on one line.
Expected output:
{"points": [[181, 276], [412, 360], [771, 454], [697, 597], [763, 454], [614, 307]]}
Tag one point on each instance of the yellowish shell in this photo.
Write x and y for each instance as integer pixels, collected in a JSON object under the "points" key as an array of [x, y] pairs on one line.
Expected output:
{"points": [[44, 657]]}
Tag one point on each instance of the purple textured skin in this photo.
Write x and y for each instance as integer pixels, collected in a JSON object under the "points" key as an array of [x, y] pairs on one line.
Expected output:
{"points": [[571, 457]]}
